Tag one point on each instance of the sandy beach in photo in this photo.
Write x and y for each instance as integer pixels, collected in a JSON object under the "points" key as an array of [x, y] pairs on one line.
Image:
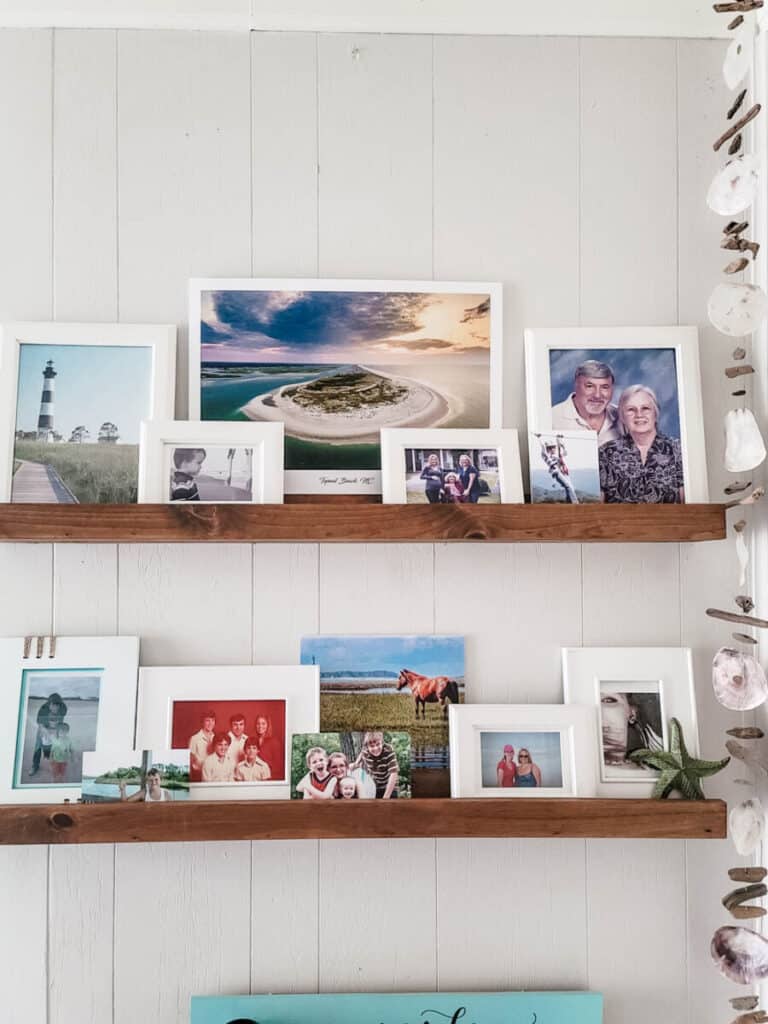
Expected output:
{"points": [[360, 414]]}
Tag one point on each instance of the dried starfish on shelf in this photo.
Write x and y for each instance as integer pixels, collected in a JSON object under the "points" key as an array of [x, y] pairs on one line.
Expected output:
{"points": [[678, 771]]}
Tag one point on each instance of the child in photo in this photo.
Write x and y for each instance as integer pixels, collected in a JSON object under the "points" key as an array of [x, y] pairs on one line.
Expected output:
{"points": [[347, 788], [252, 768], [453, 490], [318, 783], [218, 766], [380, 761], [187, 463], [553, 455], [62, 753], [201, 743], [152, 792]]}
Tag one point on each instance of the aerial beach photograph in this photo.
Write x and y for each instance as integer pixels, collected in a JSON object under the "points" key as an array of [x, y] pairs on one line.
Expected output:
{"points": [[338, 366]]}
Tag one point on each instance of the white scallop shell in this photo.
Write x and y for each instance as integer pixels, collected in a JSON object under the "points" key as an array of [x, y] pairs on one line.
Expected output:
{"points": [[744, 445], [741, 954], [738, 59], [736, 308], [738, 680], [734, 186], [747, 826]]}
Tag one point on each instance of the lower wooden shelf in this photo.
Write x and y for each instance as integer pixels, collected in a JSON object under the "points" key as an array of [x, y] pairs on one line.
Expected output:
{"points": [[196, 821]]}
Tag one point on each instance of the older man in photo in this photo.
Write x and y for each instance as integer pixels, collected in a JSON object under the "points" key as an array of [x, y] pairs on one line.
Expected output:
{"points": [[589, 406]]}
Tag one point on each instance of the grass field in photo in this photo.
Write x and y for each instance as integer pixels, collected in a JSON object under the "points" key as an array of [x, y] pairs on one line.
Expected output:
{"points": [[94, 473], [387, 711]]}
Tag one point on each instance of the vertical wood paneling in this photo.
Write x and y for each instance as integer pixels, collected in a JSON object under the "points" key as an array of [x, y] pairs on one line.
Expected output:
{"points": [[23, 937], [511, 914], [182, 927], [85, 589], [209, 625], [85, 176], [506, 182], [25, 175], [628, 182], [284, 917], [517, 604], [26, 603], [636, 928], [284, 158], [285, 600], [184, 171], [375, 132]]}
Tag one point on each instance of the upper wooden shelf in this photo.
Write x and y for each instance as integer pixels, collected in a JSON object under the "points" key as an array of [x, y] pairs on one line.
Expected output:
{"points": [[188, 821], [356, 522]]}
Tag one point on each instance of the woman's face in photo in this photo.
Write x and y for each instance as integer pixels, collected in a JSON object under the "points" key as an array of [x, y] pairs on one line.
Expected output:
{"points": [[639, 414], [433, 462], [615, 712], [262, 726], [464, 461], [337, 765]]}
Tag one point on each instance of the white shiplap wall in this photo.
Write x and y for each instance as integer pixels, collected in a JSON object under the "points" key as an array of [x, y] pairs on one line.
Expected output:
{"points": [[573, 170]]}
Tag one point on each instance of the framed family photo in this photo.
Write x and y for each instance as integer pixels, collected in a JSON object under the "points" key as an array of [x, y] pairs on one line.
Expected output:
{"points": [[632, 692], [72, 400], [236, 722], [211, 462], [421, 467], [522, 750], [638, 389], [372, 765], [337, 361], [59, 704], [131, 776]]}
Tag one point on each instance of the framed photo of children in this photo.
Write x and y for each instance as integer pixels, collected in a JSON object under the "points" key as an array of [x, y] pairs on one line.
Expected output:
{"points": [[371, 765], [632, 692], [522, 750], [462, 467], [638, 391], [236, 722], [72, 399], [61, 701], [211, 462], [564, 467], [337, 361]]}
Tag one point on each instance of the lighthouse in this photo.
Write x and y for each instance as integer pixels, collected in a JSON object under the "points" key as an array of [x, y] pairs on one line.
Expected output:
{"points": [[45, 419]]}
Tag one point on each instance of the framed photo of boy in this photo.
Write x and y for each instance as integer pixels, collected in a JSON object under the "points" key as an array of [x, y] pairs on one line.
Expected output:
{"points": [[72, 399], [236, 721], [638, 389], [59, 703], [451, 467], [632, 693], [522, 750], [337, 361], [211, 462]]}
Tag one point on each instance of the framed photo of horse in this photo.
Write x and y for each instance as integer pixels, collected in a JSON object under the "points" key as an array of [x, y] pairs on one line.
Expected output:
{"points": [[393, 684]]}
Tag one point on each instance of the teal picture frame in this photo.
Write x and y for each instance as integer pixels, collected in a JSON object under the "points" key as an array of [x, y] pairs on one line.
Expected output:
{"points": [[411, 1008]]}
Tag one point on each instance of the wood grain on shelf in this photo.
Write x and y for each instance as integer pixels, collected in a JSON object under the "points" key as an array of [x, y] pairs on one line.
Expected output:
{"points": [[270, 819], [357, 522]]}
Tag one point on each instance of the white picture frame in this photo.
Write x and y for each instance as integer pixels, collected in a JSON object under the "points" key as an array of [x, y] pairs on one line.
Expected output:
{"points": [[394, 444], [589, 672], [78, 667], [683, 341], [476, 730], [297, 685], [264, 439], [343, 480], [159, 338]]}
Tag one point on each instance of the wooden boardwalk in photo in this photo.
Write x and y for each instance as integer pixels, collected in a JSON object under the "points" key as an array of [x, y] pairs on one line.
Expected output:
{"points": [[38, 482]]}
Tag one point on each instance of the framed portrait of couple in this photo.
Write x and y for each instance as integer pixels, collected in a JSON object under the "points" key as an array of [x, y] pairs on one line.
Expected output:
{"points": [[615, 415]]}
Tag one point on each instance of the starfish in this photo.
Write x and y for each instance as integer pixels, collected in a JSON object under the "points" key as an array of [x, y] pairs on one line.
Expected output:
{"points": [[678, 771]]}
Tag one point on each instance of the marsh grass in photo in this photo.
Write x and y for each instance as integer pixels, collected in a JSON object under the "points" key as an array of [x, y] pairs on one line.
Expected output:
{"points": [[93, 473]]}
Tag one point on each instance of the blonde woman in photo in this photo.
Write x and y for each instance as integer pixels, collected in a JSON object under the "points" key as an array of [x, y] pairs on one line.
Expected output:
{"points": [[528, 773]]}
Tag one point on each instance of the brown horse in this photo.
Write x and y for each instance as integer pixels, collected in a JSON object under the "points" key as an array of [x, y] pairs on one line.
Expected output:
{"points": [[429, 690]]}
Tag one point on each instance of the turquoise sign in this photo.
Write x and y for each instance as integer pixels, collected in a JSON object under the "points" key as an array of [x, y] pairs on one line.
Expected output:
{"points": [[414, 1008]]}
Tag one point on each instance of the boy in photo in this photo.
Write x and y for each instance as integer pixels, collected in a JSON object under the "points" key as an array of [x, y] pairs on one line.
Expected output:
{"points": [[318, 783], [218, 766], [187, 463], [252, 768], [237, 737], [380, 761], [201, 743]]}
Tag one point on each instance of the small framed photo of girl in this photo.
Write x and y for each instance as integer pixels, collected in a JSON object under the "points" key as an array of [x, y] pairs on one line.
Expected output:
{"points": [[451, 467]]}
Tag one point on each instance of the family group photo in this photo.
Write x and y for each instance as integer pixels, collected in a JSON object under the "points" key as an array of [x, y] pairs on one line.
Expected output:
{"points": [[629, 398], [452, 476], [373, 765], [135, 776], [521, 760]]}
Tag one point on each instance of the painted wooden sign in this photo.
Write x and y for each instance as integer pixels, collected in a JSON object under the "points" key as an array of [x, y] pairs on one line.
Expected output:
{"points": [[413, 1008]]}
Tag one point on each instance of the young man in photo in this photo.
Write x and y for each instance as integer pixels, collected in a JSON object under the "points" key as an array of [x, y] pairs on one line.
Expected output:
{"points": [[380, 761], [589, 406], [237, 738], [201, 744], [252, 768], [218, 766]]}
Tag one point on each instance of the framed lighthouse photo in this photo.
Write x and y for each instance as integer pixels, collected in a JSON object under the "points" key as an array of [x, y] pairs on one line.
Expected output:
{"points": [[72, 400]]}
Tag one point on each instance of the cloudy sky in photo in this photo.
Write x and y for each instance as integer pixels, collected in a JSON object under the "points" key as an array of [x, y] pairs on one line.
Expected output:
{"points": [[428, 655]]}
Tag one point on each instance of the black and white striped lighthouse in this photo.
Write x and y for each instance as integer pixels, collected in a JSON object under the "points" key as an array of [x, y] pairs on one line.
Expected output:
{"points": [[45, 419]]}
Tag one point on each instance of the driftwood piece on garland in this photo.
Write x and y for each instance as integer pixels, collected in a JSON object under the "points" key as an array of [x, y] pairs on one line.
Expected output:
{"points": [[737, 486], [745, 893], [738, 20], [742, 638], [736, 266], [734, 107], [745, 620], [757, 1017], [747, 875], [744, 1002], [735, 227], [737, 126], [744, 602], [740, 393], [750, 499], [750, 912], [740, 245], [746, 732], [739, 371], [738, 6], [735, 144]]}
